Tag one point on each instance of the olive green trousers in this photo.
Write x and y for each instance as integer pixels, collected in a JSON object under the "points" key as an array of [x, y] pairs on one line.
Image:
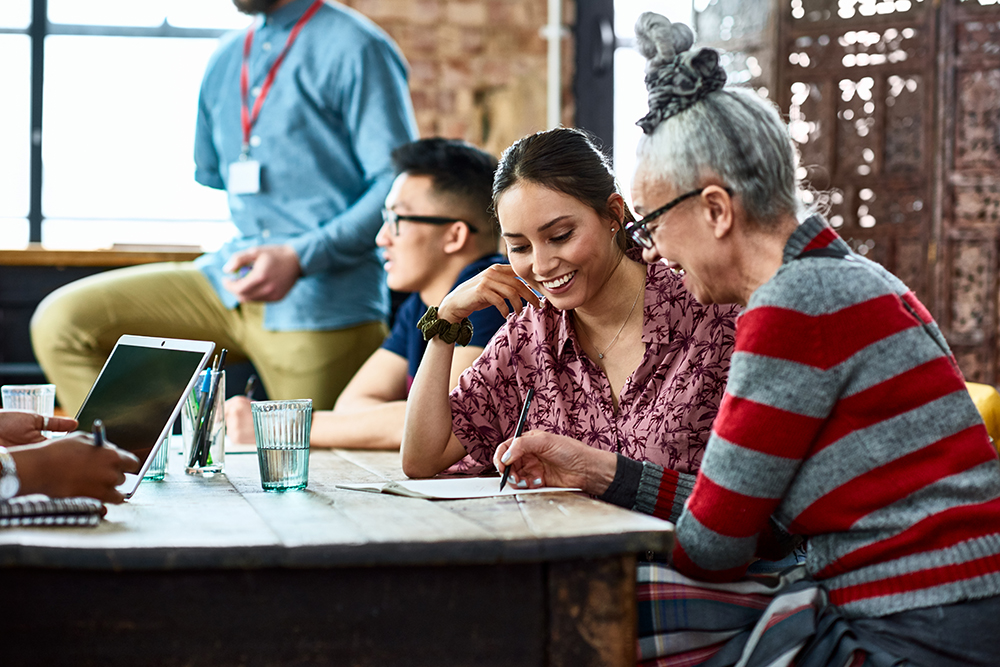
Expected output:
{"points": [[75, 327]]}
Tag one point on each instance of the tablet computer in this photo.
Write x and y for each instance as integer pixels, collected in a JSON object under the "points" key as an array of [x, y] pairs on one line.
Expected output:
{"points": [[139, 394]]}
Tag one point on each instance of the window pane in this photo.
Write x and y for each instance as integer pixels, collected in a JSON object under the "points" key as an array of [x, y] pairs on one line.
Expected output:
{"points": [[15, 13], [69, 233], [206, 14], [187, 13], [627, 11], [107, 12], [630, 106], [13, 233], [630, 87], [15, 125], [119, 121]]}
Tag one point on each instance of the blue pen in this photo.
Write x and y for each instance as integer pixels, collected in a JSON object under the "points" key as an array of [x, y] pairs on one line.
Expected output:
{"points": [[98, 431]]}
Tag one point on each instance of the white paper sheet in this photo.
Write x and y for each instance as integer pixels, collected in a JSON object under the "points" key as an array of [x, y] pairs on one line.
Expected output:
{"points": [[456, 488]]}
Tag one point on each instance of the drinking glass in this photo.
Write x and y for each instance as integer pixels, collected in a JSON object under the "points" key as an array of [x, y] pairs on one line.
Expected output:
{"points": [[281, 429]]}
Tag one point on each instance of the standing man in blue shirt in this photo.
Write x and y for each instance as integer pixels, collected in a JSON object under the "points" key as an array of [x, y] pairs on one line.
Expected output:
{"points": [[297, 119]]}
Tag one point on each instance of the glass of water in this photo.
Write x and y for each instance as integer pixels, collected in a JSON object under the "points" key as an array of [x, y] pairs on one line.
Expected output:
{"points": [[40, 398], [281, 429], [158, 466]]}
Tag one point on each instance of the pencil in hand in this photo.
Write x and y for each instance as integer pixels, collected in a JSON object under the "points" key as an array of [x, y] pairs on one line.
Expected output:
{"points": [[517, 431]]}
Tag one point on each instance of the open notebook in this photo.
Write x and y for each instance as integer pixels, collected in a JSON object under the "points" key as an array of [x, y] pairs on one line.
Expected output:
{"points": [[456, 488]]}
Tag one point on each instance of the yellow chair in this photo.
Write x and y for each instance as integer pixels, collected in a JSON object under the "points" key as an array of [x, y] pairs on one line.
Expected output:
{"points": [[987, 401]]}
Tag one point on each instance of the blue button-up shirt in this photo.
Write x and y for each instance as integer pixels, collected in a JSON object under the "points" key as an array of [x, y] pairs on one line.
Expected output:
{"points": [[338, 107]]}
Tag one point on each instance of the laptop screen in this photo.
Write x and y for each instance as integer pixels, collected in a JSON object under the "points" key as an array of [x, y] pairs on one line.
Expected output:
{"points": [[137, 393]]}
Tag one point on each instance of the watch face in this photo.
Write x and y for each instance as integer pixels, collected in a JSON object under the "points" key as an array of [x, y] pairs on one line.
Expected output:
{"points": [[9, 484]]}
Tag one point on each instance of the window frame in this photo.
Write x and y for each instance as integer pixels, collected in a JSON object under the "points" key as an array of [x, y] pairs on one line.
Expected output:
{"points": [[38, 29]]}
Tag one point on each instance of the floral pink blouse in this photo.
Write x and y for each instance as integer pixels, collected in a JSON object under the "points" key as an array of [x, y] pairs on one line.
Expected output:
{"points": [[666, 407]]}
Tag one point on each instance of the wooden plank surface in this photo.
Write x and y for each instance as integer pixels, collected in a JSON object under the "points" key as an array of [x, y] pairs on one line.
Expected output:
{"points": [[229, 521]]}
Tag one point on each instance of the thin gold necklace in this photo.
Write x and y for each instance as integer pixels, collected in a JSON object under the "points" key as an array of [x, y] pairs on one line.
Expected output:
{"points": [[600, 355]]}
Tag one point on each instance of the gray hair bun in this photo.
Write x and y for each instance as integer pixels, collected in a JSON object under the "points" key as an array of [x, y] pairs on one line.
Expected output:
{"points": [[676, 78]]}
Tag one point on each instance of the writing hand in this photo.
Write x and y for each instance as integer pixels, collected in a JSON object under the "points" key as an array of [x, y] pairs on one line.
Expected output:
{"points": [[275, 269], [539, 458], [72, 466]]}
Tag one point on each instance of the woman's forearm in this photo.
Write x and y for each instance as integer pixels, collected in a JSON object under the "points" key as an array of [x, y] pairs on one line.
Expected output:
{"points": [[427, 432]]}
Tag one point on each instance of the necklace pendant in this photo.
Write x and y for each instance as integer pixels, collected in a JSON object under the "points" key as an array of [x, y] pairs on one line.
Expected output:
{"points": [[600, 356]]}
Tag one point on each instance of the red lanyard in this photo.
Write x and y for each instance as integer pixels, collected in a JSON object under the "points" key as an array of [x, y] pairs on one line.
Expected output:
{"points": [[247, 117]]}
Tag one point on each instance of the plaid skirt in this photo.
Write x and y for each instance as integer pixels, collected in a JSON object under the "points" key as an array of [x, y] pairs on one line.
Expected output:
{"points": [[774, 620]]}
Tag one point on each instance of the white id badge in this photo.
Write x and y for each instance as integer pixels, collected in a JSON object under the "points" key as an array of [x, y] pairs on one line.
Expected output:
{"points": [[244, 177]]}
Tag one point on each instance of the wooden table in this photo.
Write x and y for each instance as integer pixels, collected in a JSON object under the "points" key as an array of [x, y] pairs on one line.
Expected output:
{"points": [[199, 571]]}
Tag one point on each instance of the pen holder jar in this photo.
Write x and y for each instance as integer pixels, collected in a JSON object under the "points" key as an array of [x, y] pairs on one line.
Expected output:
{"points": [[203, 425]]}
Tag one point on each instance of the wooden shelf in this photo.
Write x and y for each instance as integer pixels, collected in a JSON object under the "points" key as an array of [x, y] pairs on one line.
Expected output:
{"points": [[36, 255]]}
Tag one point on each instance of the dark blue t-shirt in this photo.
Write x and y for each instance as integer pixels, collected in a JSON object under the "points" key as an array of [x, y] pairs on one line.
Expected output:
{"points": [[408, 342]]}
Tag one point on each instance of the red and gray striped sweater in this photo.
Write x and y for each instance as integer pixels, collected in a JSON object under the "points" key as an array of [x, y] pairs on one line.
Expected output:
{"points": [[845, 421]]}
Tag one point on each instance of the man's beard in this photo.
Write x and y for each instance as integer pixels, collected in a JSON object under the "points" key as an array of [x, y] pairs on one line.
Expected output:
{"points": [[254, 6]]}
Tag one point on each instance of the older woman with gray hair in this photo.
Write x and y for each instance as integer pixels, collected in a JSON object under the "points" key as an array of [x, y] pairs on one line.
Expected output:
{"points": [[845, 423]]}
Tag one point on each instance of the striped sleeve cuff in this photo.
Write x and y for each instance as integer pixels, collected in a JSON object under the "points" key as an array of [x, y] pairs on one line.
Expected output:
{"points": [[662, 492]]}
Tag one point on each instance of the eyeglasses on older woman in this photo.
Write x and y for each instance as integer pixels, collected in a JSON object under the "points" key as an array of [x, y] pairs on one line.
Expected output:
{"points": [[640, 231]]}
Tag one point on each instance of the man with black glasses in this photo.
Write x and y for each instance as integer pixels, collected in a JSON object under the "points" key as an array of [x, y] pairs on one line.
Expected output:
{"points": [[438, 231]]}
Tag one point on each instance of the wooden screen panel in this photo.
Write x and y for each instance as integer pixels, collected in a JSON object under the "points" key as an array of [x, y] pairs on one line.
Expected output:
{"points": [[858, 82], [969, 124], [745, 32]]}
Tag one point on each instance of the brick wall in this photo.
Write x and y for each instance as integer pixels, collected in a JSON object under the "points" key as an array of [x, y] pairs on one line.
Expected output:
{"points": [[478, 67]]}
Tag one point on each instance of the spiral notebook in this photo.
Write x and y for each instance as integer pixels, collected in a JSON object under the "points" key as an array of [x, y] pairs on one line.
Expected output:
{"points": [[39, 510]]}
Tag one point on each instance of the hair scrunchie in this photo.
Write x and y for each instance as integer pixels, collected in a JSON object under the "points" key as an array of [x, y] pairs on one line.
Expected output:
{"points": [[676, 78], [450, 332]]}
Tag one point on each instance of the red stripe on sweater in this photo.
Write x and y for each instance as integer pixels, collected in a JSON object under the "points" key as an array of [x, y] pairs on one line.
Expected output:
{"points": [[915, 581], [726, 512], [773, 428], [901, 393], [938, 531], [821, 240], [800, 339], [665, 493], [887, 484], [683, 564]]}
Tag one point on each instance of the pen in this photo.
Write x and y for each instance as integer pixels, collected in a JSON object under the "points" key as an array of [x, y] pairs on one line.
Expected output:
{"points": [[98, 431], [517, 431], [251, 384], [206, 435], [199, 420]]}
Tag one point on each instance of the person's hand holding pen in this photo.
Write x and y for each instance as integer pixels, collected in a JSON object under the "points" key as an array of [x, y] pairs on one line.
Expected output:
{"points": [[539, 458], [74, 466]]}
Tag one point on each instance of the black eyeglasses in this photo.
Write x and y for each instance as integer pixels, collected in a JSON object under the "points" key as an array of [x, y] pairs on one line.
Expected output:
{"points": [[392, 219], [639, 230]]}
